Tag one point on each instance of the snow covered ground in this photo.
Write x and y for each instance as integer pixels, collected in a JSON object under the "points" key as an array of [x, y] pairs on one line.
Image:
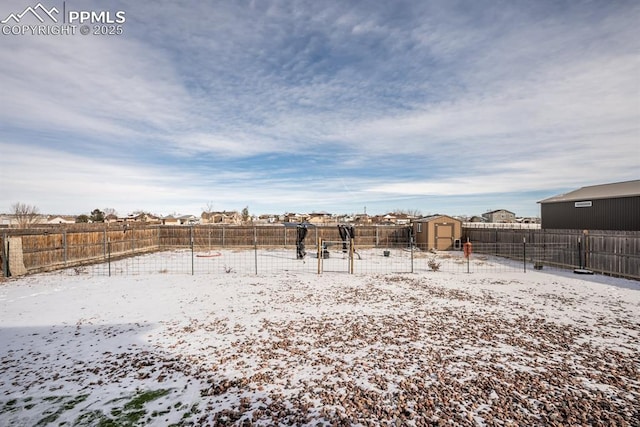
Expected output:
{"points": [[297, 348]]}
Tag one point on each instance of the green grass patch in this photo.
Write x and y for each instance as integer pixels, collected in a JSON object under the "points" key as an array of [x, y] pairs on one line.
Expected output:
{"points": [[126, 411]]}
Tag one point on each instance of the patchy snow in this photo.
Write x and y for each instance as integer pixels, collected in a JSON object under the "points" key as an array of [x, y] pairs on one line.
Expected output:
{"points": [[299, 348]]}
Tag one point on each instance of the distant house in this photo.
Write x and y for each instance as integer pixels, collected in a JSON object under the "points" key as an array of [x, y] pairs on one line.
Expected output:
{"points": [[170, 220], [320, 218], [500, 215], [188, 219], [387, 219], [7, 220], [61, 219], [362, 219], [614, 206], [294, 217], [528, 220], [11, 220], [403, 219], [438, 232], [143, 217], [111, 218], [266, 219], [477, 218], [222, 217]]}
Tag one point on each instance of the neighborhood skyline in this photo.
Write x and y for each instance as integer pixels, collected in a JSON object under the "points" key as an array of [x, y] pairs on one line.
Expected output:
{"points": [[113, 213], [444, 107]]}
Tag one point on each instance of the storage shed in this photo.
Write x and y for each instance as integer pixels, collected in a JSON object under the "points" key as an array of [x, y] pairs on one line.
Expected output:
{"points": [[613, 206], [438, 232]]}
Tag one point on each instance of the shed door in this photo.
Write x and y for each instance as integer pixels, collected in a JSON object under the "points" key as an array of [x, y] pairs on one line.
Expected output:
{"points": [[444, 236]]}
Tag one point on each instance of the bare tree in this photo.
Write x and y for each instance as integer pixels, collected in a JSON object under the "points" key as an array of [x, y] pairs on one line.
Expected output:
{"points": [[410, 212], [209, 207], [25, 215]]}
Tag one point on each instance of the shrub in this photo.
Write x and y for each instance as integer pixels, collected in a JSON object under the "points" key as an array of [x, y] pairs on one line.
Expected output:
{"points": [[433, 264]]}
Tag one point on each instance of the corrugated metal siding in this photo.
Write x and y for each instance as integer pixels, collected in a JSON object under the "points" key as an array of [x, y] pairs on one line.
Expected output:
{"points": [[604, 214]]}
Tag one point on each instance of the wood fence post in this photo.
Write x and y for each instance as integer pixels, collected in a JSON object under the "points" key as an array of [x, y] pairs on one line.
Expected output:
{"points": [[5, 255]]}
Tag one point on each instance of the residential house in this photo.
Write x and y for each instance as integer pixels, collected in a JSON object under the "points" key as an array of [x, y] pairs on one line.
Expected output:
{"points": [[143, 218], [170, 220], [188, 219], [111, 218], [363, 219], [60, 219], [222, 217], [320, 218], [500, 215], [294, 217]]}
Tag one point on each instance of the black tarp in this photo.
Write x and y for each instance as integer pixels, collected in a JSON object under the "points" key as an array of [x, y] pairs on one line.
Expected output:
{"points": [[347, 232], [301, 234]]}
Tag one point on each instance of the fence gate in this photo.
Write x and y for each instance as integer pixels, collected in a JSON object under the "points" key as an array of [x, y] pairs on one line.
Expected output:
{"points": [[335, 256]]}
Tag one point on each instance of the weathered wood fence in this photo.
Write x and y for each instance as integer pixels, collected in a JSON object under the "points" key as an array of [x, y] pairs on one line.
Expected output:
{"points": [[609, 252], [51, 248], [614, 253]]}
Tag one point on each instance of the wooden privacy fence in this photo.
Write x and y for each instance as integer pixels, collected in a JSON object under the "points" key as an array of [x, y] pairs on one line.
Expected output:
{"points": [[45, 249], [610, 252], [614, 253], [245, 236], [51, 249]]}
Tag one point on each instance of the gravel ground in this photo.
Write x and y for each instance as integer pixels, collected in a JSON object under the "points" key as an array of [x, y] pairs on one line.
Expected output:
{"points": [[300, 349]]}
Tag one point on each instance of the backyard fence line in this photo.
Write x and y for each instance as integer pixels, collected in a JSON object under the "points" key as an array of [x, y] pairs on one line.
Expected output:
{"points": [[502, 225], [255, 249], [615, 253], [50, 248]]}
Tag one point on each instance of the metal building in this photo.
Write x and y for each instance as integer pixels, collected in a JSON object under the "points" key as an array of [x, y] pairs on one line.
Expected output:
{"points": [[613, 206]]}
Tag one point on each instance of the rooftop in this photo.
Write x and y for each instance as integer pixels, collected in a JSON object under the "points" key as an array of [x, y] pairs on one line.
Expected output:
{"points": [[602, 191]]}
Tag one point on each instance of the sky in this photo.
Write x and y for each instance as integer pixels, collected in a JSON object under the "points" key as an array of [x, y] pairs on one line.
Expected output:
{"points": [[450, 107]]}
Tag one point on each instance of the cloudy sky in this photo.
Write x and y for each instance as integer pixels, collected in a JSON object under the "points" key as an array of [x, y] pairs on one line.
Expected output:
{"points": [[298, 106]]}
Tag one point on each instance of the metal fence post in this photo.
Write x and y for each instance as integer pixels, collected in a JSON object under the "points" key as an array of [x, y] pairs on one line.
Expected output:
{"points": [[524, 253], [255, 248], [411, 243], [109, 256], [351, 251], [320, 254], [191, 240]]}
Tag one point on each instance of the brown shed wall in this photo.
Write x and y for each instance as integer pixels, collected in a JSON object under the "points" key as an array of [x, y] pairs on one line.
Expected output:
{"points": [[439, 233]]}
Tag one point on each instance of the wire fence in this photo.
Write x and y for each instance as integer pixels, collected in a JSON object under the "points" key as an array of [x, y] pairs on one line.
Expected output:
{"points": [[325, 257], [274, 250]]}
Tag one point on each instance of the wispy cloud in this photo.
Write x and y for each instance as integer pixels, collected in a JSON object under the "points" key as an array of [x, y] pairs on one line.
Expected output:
{"points": [[326, 105]]}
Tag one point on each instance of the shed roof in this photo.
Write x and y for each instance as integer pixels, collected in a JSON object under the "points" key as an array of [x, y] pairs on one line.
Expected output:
{"points": [[602, 191], [432, 217]]}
